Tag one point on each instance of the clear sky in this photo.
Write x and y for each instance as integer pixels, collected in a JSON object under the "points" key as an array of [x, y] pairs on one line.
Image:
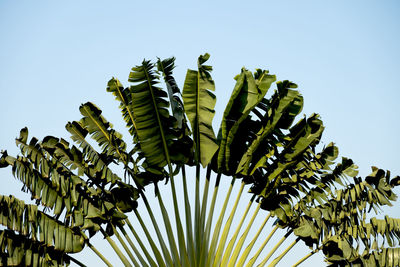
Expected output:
{"points": [[344, 55]]}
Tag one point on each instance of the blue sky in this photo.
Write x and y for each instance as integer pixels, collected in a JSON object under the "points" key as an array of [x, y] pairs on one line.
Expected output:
{"points": [[344, 55]]}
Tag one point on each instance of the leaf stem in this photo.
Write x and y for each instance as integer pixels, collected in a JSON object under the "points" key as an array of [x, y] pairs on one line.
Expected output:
{"points": [[138, 254], [206, 240], [254, 258], [277, 259], [225, 232], [189, 223], [76, 261], [94, 249], [165, 251], [229, 248], [181, 237], [99, 254], [168, 228], [217, 229], [153, 246], [197, 234], [116, 249], [272, 251], [204, 202], [306, 257], [239, 245], [122, 242]]}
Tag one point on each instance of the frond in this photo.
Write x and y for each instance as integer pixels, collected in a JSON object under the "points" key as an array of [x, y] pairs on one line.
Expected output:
{"points": [[199, 102], [38, 226], [18, 250]]}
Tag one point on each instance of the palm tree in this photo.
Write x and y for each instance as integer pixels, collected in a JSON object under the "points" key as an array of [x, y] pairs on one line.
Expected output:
{"points": [[304, 188]]}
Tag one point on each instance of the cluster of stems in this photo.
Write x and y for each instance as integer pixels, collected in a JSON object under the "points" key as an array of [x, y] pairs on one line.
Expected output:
{"points": [[203, 242]]}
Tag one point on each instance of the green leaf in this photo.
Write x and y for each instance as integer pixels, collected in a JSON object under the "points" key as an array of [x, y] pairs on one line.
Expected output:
{"points": [[36, 225], [165, 67], [246, 94], [150, 109], [284, 105], [18, 250], [78, 134], [199, 102], [123, 95], [101, 131]]}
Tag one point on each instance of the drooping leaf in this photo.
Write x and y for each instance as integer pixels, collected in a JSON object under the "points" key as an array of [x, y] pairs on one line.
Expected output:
{"points": [[36, 225], [18, 250], [99, 163]]}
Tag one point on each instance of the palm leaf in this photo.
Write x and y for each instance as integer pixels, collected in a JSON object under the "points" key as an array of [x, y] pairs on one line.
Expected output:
{"points": [[99, 162], [153, 122], [199, 102], [123, 95], [247, 93], [165, 67], [29, 221], [58, 188], [340, 253], [282, 108], [101, 131], [181, 149], [156, 131], [18, 250]]}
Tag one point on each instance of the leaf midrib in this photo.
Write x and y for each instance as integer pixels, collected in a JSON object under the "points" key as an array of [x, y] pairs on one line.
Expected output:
{"points": [[166, 154], [127, 107], [102, 130]]}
